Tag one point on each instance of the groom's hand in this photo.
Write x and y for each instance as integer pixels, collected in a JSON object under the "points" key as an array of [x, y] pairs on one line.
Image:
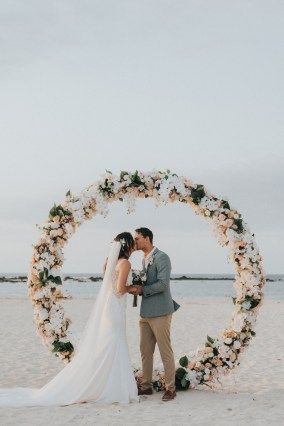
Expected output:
{"points": [[130, 289], [138, 290], [135, 289]]}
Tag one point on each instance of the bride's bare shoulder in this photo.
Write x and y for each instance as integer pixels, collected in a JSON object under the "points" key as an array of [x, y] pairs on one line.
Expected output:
{"points": [[123, 264]]}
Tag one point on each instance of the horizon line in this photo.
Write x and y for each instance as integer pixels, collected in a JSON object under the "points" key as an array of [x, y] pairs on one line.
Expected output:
{"points": [[173, 273]]}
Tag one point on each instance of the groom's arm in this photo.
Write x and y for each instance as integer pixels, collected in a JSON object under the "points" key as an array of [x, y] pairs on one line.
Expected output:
{"points": [[163, 277]]}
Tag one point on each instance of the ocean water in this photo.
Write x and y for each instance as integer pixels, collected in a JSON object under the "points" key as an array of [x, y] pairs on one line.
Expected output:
{"points": [[197, 287]]}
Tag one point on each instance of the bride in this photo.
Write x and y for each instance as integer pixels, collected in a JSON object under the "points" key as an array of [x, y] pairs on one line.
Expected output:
{"points": [[100, 369]]}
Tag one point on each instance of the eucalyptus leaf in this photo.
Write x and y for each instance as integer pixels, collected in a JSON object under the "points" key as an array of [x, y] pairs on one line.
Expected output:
{"points": [[183, 361]]}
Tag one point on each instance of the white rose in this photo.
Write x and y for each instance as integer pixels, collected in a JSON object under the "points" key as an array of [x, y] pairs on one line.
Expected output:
{"points": [[48, 327], [43, 314], [246, 305], [237, 344]]}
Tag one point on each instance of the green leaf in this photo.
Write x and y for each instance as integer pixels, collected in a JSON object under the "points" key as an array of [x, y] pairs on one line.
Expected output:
{"points": [[197, 194], [215, 351], [253, 333], [59, 211], [184, 361], [42, 278], [225, 204], [53, 211], [239, 223], [254, 303], [210, 339], [45, 277], [180, 372], [179, 376], [135, 179], [234, 300], [122, 174], [68, 193], [57, 280], [62, 346], [184, 382]]}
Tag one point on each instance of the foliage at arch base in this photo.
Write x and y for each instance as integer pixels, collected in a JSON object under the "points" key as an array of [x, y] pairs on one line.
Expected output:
{"points": [[219, 354]]}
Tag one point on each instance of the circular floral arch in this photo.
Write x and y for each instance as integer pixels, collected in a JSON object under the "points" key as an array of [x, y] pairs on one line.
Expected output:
{"points": [[219, 355]]}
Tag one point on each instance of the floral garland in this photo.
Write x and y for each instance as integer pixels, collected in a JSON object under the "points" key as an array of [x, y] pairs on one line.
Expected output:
{"points": [[219, 355]]}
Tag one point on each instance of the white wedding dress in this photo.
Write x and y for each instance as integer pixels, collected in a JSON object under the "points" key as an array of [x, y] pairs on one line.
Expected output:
{"points": [[101, 368]]}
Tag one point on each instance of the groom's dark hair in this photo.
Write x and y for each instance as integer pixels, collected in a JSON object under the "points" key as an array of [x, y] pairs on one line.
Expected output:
{"points": [[146, 232]]}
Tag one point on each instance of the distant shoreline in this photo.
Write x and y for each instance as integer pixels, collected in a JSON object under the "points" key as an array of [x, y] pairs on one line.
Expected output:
{"points": [[15, 278]]}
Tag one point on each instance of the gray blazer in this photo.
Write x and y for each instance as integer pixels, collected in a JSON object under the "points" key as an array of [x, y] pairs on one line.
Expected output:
{"points": [[156, 297]]}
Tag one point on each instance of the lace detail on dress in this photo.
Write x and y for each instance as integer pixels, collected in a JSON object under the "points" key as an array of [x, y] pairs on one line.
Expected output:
{"points": [[114, 282]]}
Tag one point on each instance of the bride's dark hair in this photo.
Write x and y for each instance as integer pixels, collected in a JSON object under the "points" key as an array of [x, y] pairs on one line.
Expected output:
{"points": [[127, 244]]}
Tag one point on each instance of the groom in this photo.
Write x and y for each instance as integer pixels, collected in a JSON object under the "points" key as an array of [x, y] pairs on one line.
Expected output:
{"points": [[156, 311]]}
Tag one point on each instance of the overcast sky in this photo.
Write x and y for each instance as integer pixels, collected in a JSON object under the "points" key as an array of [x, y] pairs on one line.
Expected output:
{"points": [[193, 86]]}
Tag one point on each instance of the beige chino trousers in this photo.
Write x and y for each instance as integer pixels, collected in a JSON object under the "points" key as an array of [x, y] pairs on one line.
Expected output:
{"points": [[156, 330]]}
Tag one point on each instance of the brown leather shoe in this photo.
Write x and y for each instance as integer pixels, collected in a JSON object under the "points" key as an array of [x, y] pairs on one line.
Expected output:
{"points": [[169, 395], [148, 391]]}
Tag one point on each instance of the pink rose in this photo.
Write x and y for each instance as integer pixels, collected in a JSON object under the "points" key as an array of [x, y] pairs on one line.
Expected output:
{"points": [[229, 222]]}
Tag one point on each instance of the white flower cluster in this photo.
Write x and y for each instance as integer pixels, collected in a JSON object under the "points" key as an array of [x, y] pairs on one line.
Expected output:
{"points": [[158, 185], [169, 184], [209, 203], [130, 202]]}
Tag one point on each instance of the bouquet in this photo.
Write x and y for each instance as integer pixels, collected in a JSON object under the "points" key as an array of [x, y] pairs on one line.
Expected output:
{"points": [[138, 278]]}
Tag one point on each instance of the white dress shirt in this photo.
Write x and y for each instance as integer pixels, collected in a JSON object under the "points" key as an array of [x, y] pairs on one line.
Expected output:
{"points": [[147, 258]]}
